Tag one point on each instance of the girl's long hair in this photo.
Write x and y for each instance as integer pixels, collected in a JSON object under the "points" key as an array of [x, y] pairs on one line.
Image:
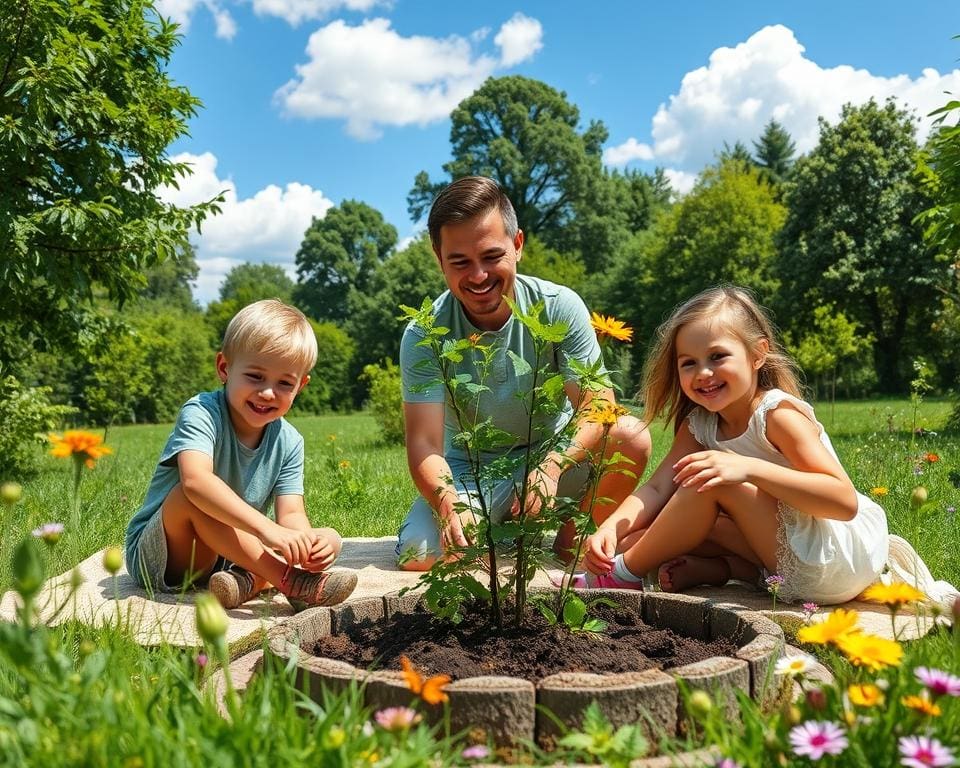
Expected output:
{"points": [[741, 314]]}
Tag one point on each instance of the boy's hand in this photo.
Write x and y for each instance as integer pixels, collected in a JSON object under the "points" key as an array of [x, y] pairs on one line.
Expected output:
{"points": [[292, 545], [322, 553]]}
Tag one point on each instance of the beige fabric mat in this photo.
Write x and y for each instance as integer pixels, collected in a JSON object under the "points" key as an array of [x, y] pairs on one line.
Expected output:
{"points": [[169, 618]]}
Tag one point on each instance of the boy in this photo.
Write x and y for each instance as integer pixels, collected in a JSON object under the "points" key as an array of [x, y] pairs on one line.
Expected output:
{"points": [[230, 454]]}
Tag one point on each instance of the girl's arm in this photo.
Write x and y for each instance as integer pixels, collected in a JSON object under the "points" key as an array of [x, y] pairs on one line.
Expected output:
{"points": [[814, 483], [640, 508]]}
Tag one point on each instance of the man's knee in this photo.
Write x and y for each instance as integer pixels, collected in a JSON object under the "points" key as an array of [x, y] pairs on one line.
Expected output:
{"points": [[416, 565], [632, 438]]}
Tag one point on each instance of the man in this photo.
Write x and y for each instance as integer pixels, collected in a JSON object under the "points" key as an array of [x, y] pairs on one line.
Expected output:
{"points": [[474, 232]]}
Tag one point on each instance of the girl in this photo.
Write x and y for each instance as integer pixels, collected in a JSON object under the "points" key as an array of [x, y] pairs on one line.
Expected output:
{"points": [[751, 485]]}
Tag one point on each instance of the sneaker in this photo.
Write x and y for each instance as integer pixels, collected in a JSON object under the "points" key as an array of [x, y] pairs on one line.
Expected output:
{"points": [[309, 590], [232, 587], [592, 581]]}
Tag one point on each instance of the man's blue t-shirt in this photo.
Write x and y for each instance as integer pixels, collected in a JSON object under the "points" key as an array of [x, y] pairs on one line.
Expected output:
{"points": [[257, 475], [508, 411]]}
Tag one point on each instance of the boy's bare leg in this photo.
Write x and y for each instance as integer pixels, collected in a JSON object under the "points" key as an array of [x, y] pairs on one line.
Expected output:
{"points": [[188, 529]]}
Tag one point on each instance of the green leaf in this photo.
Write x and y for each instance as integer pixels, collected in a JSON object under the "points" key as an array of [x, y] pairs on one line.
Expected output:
{"points": [[574, 611], [520, 366]]}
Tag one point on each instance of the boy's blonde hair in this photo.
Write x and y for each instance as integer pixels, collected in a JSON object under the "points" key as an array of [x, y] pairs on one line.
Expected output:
{"points": [[273, 328], [738, 311]]}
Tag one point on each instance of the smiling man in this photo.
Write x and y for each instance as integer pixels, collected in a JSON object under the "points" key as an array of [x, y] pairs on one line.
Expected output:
{"points": [[478, 243]]}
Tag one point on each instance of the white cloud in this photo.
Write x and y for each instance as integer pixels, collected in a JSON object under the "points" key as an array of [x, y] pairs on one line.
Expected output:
{"points": [[181, 11], [267, 227], [768, 76], [371, 76], [519, 39], [631, 149], [680, 181], [296, 11]]}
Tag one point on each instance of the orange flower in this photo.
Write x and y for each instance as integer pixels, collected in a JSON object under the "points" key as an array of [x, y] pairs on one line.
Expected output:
{"points": [[932, 458], [83, 446], [865, 695], [474, 339], [921, 704], [429, 689], [604, 412], [880, 490], [610, 326], [871, 651]]}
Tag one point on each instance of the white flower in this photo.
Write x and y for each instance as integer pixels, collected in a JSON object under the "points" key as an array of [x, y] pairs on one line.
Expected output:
{"points": [[795, 666]]}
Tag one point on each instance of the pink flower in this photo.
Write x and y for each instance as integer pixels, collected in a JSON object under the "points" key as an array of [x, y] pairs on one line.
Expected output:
{"points": [[49, 532], [815, 739], [726, 762], [476, 752], [396, 718], [938, 682], [201, 660], [923, 751], [809, 608]]}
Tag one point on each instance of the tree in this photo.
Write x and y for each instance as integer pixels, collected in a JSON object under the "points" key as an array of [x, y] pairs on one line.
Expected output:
{"points": [[330, 382], [525, 135], [340, 253], [850, 240], [169, 281], [247, 283], [87, 109], [774, 152], [406, 277], [738, 153]]}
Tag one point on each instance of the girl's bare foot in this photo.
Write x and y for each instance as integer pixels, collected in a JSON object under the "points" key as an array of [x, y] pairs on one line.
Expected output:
{"points": [[690, 571]]}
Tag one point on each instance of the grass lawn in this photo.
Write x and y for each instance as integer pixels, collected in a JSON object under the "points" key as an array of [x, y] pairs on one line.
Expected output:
{"points": [[74, 695], [361, 487]]}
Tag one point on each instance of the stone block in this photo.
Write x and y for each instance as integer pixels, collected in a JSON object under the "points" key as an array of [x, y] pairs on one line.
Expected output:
{"points": [[504, 708], [300, 631], [316, 674], [685, 614], [368, 610], [647, 698], [721, 677], [394, 602], [761, 655]]}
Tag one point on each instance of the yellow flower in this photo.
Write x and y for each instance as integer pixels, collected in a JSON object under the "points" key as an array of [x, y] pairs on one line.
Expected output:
{"points": [[865, 695], [344, 464], [610, 326], [922, 704], [83, 446], [894, 595], [880, 490], [604, 412], [838, 624], [870, 651]]}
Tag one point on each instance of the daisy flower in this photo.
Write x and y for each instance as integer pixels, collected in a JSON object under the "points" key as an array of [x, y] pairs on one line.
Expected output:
{"points": [[923, 751], [938, 682], [795, 666], [396, 718], [870, 651], [816, 739], [840, 622], [49, 532]]}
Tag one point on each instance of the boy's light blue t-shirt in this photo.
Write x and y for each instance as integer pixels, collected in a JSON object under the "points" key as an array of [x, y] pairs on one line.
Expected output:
{"points": [[273, 468], [507, 402]]}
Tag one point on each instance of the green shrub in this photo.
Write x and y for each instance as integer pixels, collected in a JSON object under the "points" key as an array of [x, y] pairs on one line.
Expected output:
{"points": [[386, 399], [329, 388], [25, 415]]}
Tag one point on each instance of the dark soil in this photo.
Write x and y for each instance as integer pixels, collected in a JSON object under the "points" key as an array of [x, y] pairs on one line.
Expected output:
{"points": [[535, 651]]}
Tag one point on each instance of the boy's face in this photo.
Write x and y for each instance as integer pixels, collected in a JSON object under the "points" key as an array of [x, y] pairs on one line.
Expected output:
{"points": [[260, 389]]}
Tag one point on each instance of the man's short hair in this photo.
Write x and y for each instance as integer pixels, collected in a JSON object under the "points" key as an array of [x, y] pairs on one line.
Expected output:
{"points": [[468, 197], [273, 328]]}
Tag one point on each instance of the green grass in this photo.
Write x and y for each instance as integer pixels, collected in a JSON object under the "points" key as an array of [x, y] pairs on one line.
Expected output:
{"points": [[369, 494]]}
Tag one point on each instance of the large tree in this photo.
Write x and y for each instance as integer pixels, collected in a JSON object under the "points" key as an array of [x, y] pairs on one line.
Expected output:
{"points": [[340, 253], [850, 237], [774, 152], [526, 136], [245, 284], [87, 110]]}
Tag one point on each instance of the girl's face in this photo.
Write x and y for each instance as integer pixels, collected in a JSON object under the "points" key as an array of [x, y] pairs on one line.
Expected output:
{"points": [[716, 369]]}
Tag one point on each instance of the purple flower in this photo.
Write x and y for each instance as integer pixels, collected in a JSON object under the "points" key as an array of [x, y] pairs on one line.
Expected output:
{"points": [[49, 532], [396, 718], [476, 752], [938, 682], [923, 751], [809, 609], [774, 583], [815, 739], [726, 762]]}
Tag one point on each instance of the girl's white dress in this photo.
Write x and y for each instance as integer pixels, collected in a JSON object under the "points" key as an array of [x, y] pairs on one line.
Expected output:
{"points": [[824, 561]]}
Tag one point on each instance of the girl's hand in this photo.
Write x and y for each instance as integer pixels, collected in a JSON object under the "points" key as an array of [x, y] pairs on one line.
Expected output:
{"points": [[709, 469], [599, 551]]}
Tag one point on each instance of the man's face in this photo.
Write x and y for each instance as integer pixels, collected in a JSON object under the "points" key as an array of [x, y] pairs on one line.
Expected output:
{"points": [[479, 263]]}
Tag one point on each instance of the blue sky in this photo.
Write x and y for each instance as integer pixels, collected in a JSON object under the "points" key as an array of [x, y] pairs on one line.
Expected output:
{"points": [[311, 102]]}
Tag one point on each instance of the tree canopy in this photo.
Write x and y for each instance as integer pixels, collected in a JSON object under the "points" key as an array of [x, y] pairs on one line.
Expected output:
{"points": [[87, 110], [774, 152], [340, 253], [849, 238]]}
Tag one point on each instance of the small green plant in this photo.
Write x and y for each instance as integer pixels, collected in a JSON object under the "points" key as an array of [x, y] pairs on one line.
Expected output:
{"points": [[26, 415], [385, 399], [598, 741]]}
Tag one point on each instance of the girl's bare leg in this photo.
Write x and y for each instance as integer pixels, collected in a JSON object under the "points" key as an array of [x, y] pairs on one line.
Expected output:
{"points": [[689, 518]]}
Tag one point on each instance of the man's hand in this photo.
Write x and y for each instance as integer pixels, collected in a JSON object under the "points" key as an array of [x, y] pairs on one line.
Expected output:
{"points": [[599, 551], [541, 487], [709, 469], [450, 523], [292, 545], [322, 554]]}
